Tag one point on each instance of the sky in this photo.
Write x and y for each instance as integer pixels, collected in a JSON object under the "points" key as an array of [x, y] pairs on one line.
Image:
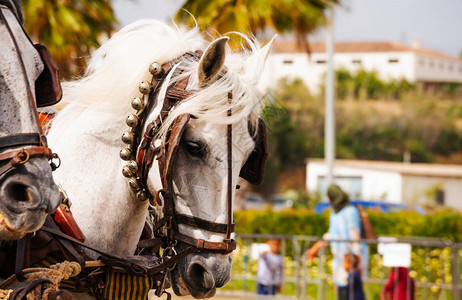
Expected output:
{"points": [[436, 23]]}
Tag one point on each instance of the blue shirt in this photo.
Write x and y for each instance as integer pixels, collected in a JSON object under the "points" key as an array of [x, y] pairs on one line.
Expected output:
{"points": [[270, 269], [342, 226]]}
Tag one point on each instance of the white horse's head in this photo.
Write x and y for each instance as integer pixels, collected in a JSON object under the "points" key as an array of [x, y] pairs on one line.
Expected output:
{"points": [[218, 95], [27, 190], [212, 147]]}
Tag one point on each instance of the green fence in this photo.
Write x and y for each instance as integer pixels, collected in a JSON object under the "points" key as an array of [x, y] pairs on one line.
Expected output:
{"points": [[435, 267]]}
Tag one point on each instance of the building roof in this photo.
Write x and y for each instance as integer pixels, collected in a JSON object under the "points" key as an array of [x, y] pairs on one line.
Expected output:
{"points": [[357, 47], [409, 169]]}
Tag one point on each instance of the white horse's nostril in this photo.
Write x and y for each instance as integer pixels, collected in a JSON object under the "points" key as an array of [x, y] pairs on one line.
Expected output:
{"points": [[200, 276]]}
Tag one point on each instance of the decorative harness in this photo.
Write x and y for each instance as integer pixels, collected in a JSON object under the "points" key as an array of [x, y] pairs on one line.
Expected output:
{"points": [[141, 152], [48, 92]]}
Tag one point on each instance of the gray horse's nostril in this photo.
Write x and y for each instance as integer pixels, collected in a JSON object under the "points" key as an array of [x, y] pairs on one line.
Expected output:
{"points": [[201, 277], [18, 192]]}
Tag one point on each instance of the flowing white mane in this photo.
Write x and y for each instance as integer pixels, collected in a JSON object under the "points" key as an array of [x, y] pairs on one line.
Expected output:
{"points": [[119, 65]]}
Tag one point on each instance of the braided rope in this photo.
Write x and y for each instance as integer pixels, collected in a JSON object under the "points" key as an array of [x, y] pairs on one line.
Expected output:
{"points": [[55, 273], [4, 294]]}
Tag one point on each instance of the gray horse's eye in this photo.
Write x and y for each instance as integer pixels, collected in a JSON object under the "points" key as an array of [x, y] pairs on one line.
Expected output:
{"points": [[195, 148]]}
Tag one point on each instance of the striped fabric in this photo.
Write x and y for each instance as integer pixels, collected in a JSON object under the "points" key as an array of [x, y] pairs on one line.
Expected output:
{"points": [[69, 284], [121, 286], [118, 286]]}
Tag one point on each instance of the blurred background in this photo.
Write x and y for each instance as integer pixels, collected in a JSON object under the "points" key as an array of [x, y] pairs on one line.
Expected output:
{"points": [[396, 94]]}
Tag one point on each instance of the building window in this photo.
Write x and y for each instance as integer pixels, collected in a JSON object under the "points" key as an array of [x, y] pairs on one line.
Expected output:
{"points": [[450, 68], [321, 61], [422, 62], [460, 69], [288, 61], [439, 197], [432, 64], [441, 65], [356, 61], [393, 60]]}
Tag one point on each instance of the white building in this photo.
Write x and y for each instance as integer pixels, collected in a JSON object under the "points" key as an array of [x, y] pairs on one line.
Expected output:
{"points": [[395, 182], [390, 60]]}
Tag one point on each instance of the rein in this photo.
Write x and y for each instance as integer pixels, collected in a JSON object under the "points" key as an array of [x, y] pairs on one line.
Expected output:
{"points": [[33, 144]]}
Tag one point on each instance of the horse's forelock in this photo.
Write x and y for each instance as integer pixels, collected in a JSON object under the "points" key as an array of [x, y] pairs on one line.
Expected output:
{"points": [[120, 64], [211, 103]]}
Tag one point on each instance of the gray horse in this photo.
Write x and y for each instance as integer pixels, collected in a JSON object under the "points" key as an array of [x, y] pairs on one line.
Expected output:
{"points": [[27, 190]]}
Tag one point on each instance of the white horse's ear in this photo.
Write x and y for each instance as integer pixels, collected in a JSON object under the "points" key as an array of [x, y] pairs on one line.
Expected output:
{"points": [[212, 61], [266, 50]]}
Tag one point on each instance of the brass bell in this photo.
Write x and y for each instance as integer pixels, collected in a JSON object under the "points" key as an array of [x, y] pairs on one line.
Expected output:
{"points": [[155, 68], [127, 137], [137, 103], [142, 195], [127, 172], [145, 87], [132, 120], [126, 154], [133, 183], [132, 166]]}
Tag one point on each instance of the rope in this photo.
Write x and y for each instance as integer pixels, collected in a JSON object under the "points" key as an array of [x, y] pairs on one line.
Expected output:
{"points": [[4, 294], [55, 273]]}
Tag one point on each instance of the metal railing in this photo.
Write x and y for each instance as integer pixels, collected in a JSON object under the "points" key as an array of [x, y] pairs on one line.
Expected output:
{"points": [[435, 267]]}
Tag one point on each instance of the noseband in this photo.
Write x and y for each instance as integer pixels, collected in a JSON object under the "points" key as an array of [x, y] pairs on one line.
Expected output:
{"points": [[31, 144], [140, 159]]}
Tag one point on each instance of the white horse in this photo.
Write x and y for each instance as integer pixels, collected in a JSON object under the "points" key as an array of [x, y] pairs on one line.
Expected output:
{"points": [[27, 190], [87, 135]]}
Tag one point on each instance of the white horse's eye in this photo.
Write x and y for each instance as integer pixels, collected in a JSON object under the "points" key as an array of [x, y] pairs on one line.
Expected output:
{"points": [[195, 148]]}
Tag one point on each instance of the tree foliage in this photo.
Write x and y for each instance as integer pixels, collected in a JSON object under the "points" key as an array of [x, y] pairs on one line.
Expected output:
{"points": [[70, 29], [420, 125], [301, 17]]}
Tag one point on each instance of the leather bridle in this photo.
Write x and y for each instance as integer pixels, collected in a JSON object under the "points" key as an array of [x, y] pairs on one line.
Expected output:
{"points": [[30, 144], [142, 151], [166, 228]]}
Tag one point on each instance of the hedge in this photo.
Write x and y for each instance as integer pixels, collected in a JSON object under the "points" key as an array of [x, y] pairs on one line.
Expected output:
{"points": [[444, 224]]}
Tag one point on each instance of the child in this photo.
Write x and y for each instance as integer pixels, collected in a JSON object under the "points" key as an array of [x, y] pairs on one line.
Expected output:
{"points": [[354, 289], [270, 270], [400, 285]]}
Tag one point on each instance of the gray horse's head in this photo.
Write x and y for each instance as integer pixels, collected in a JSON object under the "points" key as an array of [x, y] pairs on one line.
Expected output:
{"points": [[27, 192]]}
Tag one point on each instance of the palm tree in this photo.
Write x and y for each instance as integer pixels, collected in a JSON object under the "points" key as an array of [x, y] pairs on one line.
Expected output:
{"points": [[301, 17], [70, 29]]}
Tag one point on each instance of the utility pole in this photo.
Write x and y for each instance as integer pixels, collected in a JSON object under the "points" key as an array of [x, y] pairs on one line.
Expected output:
{"points": [[329, 121]]}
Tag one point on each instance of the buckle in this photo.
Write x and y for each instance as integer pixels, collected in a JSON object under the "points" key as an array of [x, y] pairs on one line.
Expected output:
{"points": [[22, 157], [200, 244], [230, 245]]}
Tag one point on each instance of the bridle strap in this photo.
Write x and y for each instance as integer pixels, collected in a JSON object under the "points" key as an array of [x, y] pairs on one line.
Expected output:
{"points": [[230, 172], [19, 140], [203, 224], [19, 157], [226, 247]]}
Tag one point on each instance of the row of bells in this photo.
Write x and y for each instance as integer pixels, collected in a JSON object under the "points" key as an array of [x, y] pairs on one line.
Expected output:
{"points": [[128, 137]]}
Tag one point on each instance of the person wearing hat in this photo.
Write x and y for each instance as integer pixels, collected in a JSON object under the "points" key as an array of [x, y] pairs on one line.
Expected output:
{"points": [[344, 224]]}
